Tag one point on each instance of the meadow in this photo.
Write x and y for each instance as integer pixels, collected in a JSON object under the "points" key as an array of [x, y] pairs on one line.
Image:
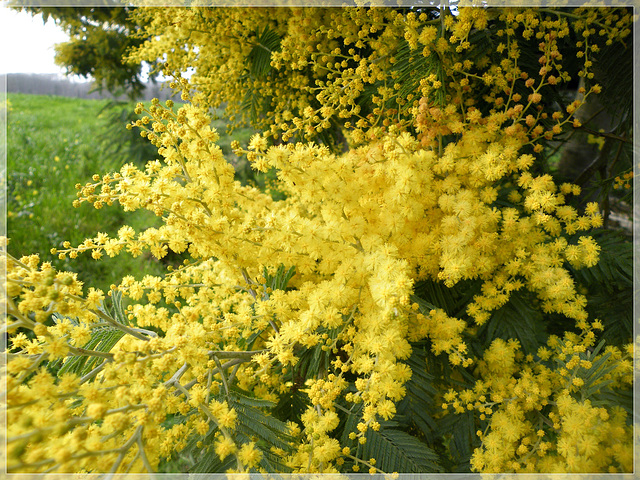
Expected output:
{"points": [[54, 143]]}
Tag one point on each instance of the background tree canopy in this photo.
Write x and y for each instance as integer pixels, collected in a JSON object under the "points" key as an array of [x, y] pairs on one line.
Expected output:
{"points": [[99, 40]]}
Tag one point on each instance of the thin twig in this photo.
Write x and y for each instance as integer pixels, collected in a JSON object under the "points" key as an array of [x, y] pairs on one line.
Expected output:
{"points": [[81, 352], [176, 376], [232, 375], [225, 366], [145, 460], [123, 451], [610, 135], [240, 354], [93, 372], [222, 376]]}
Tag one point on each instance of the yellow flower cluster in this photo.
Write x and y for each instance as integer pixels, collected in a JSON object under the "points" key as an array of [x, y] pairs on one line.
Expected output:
{"points": [[624, 181], [542, 410]]}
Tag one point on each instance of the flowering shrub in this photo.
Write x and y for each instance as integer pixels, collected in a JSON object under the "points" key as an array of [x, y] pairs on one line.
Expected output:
{"points": [[299, 329]]}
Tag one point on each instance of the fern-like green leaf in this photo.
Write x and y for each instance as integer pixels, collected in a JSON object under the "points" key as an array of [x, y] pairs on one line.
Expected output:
{"points": [[249, 401], [258, 425], [417, 405], [615, 264], [260, 56], [311, 362], [117, 308], [610, 287], [613, 71], [291, 406], [209, 462], [393, 449], [519, 320], [252, 104], [397, 451], [453, 300], [280, 279], [253, 425], [102, 339], [608, 397], [461, 430], [412, 66]]}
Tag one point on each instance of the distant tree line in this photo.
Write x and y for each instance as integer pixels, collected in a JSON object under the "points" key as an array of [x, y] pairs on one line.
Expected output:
{"points": [[53, 84]]}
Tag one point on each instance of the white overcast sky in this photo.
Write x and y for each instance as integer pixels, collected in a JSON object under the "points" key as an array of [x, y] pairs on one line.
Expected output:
{"points": [[26, 43]]}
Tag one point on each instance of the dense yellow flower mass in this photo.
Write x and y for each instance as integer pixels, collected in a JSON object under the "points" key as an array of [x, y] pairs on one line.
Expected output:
{"points": [[360, 227], [319, 61], [536, 424]]}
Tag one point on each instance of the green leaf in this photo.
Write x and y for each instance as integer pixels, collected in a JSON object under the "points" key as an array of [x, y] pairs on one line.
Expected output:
{"points": [[251, 103], [280, 279], [260, 56], [291, 406], [311, 362], [117, 308], [254, 424], [612, 72], [209, 462], [517, 319], [103, 339], [461, 428], [397, 451], [393, 449], [350, 423], [615, 263], [453, 300], [412, 66], [258, 425], [619, 398], [418, 404], [609, 286], [245, 399]]}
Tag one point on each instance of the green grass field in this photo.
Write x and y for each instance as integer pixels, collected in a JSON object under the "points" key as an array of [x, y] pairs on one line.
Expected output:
{"points": [[53, 143]]}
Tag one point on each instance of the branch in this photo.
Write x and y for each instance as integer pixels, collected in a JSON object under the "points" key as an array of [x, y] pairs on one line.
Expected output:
{"points": [[595, 165], [93, 372], [610, 135], [145, 460], [176, 376], [222, 376], [123, 451], [229, 354], [215, 371]]}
